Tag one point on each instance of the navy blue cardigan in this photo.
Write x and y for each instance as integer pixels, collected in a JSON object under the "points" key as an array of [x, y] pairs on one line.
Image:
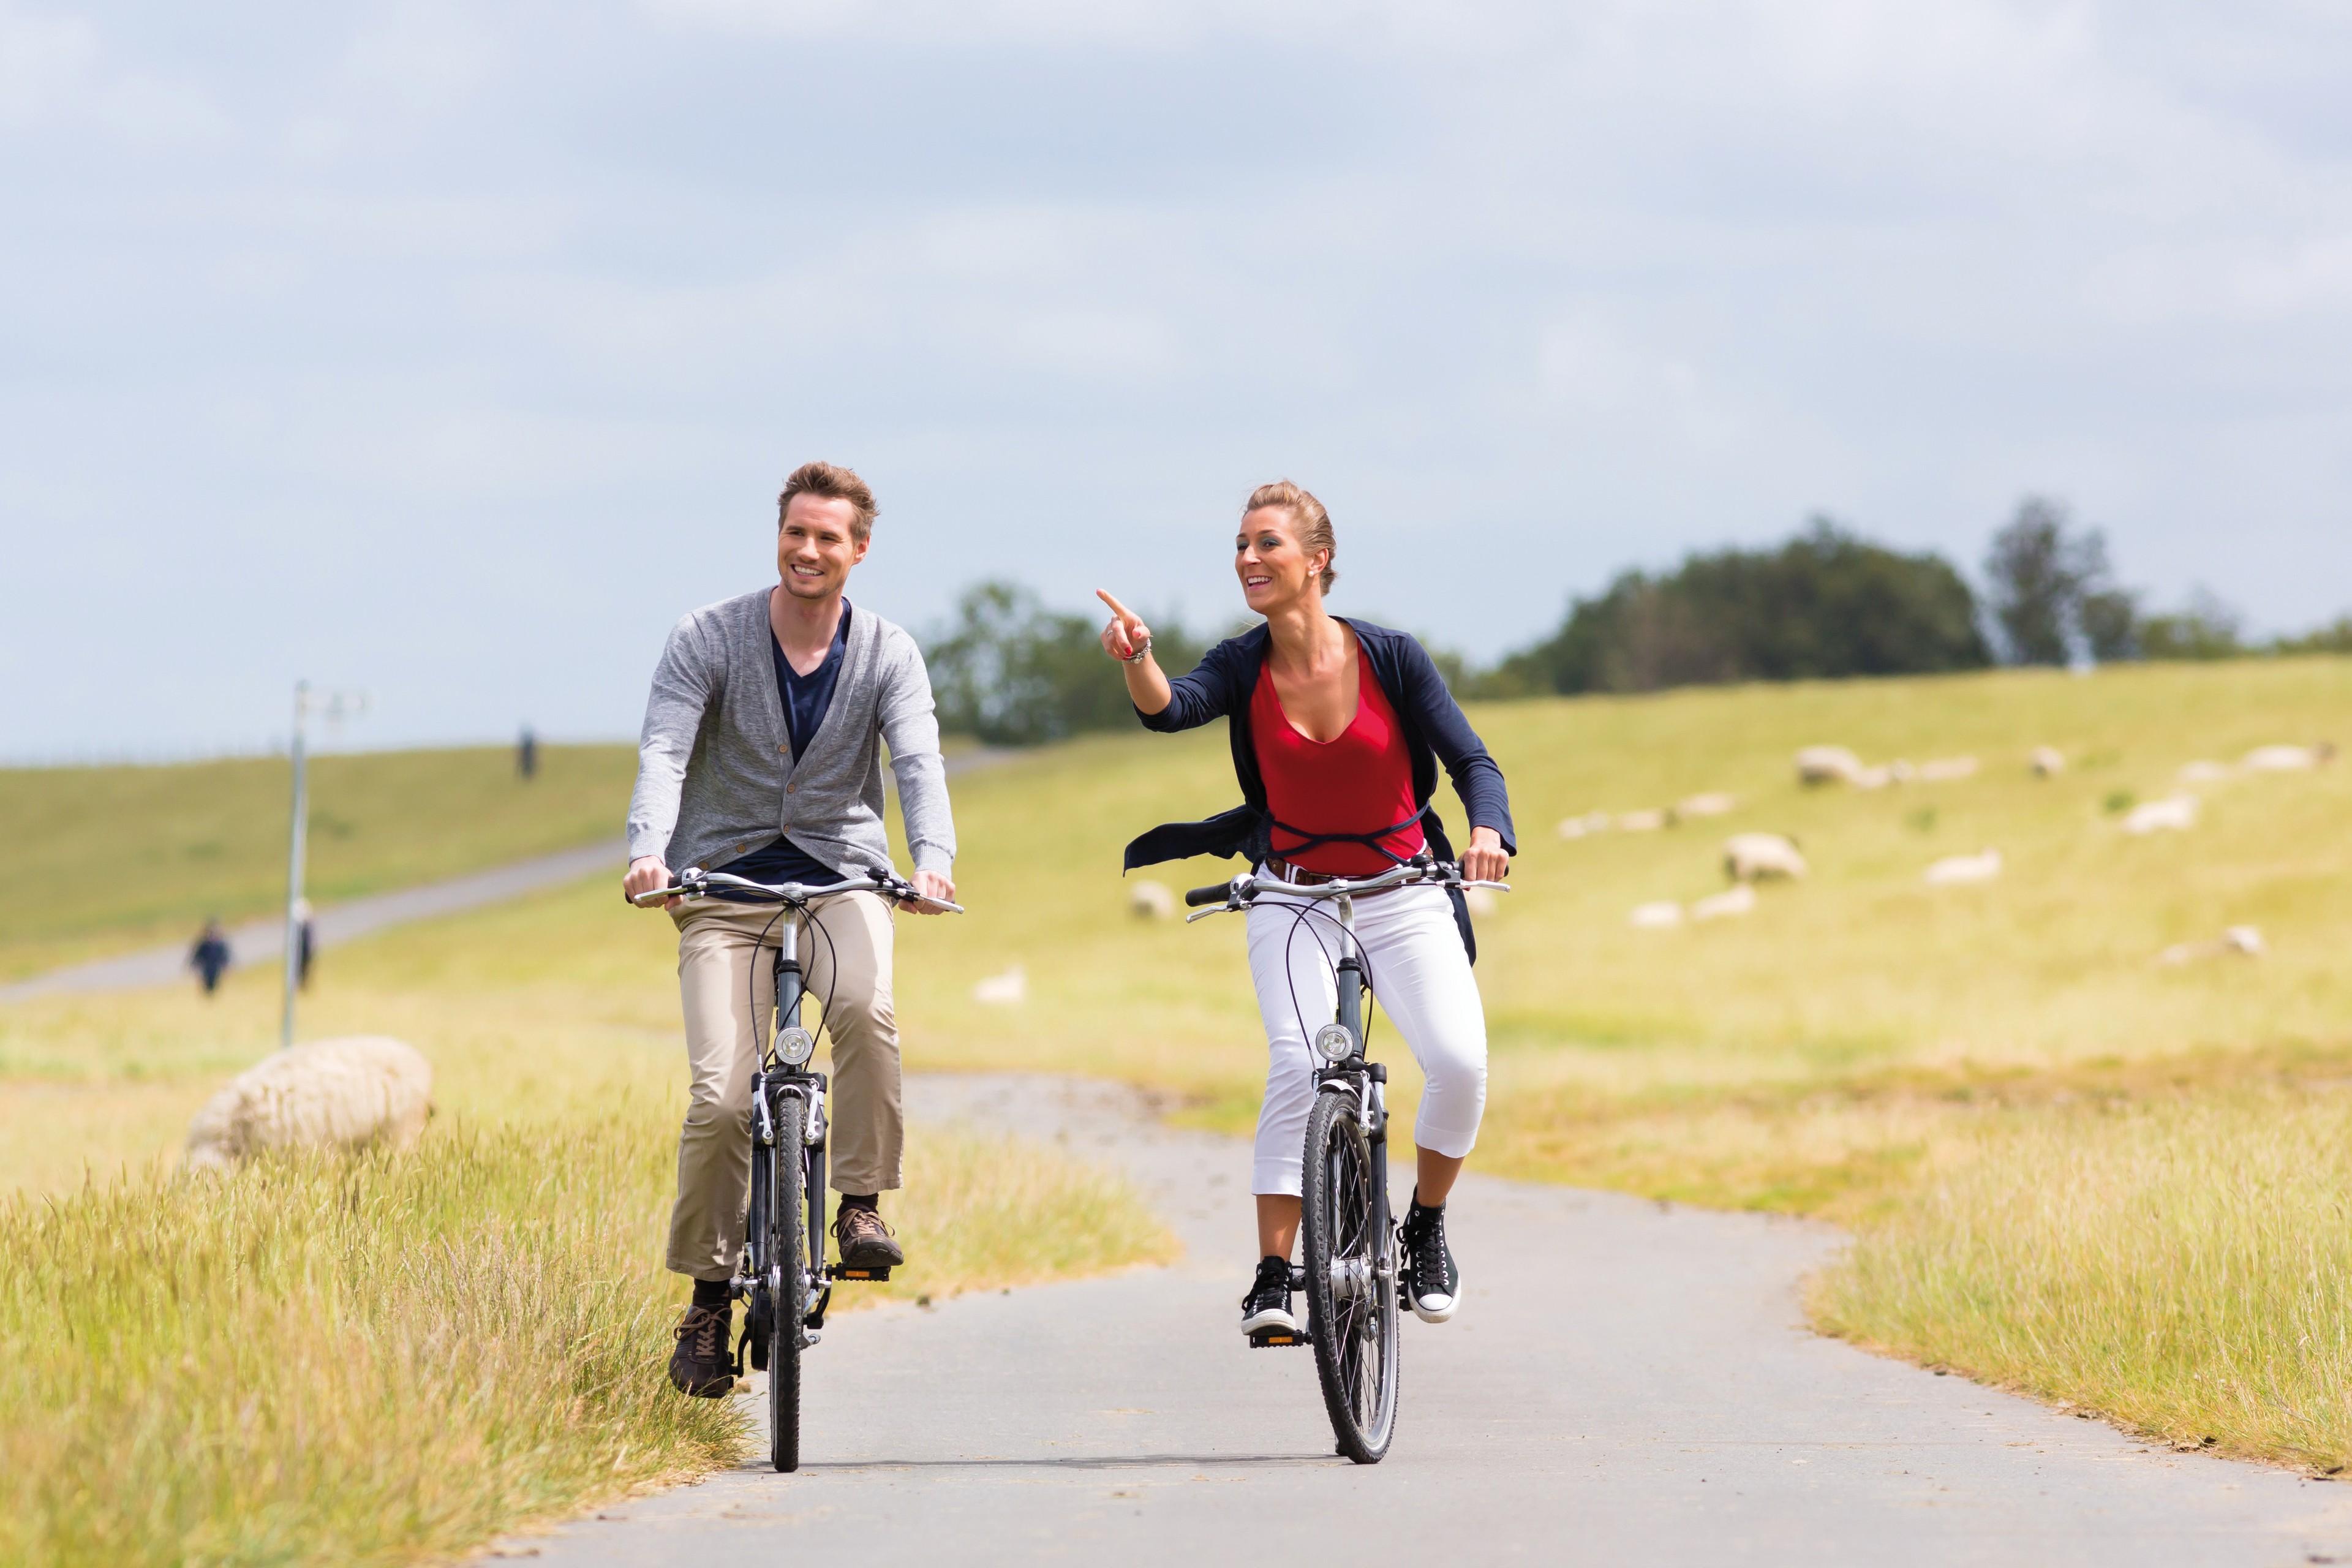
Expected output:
{"points": [[1434, 732]]}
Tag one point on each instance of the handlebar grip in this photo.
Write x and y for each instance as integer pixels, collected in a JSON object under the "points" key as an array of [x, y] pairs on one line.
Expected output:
{"points": [[1216, 894]]}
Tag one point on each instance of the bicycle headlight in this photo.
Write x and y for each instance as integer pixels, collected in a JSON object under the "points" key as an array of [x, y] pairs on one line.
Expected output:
{"points": [[795, 1046], [1334, 1044]]}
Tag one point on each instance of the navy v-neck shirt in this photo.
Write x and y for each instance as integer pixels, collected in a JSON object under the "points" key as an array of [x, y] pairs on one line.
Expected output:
{"points": [[805, 699]]}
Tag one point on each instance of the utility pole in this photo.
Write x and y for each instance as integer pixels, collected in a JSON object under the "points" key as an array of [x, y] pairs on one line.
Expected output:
{"points": [[334, 707]]}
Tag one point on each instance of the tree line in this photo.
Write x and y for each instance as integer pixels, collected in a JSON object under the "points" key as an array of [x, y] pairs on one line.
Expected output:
{"points": [[1825, 605]]}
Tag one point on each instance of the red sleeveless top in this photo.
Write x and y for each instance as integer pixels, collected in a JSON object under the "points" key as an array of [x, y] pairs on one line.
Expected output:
{"points": [[1361, 782]]}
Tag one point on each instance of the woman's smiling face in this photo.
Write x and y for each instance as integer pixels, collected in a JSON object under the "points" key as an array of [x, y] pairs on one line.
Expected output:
{"points": [[1275, 569]]}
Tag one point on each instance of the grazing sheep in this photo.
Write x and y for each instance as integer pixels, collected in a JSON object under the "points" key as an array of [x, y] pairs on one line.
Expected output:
{"points": [[2204, 772], [1712, 803], [1150, 901], [2245, 941], [2174, 814], [1827, 764], [1660, 916], [2286, 759], [1480, 901], [1578, 827], [1943, 769], [1009, 989], [2047, 761], [1955, 871], [348, 1093], [1759, 856], [1640, 822], [1731, 901], [1872, 778]]}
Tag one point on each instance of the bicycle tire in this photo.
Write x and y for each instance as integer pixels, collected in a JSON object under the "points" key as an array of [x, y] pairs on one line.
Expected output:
{"points": [[788, 1314], [1351, 1303]]}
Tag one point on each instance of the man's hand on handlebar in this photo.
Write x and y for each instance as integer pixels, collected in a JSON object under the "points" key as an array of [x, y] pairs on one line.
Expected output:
{"points": [[933, 886], [1485, 860], [646, 873]]}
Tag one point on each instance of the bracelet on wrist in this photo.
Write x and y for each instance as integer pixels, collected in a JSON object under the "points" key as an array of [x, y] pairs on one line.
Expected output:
{"points": [[1138, 656]]}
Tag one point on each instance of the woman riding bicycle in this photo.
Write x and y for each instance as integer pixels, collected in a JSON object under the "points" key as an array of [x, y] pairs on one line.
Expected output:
{"points": [[1338, 727]]}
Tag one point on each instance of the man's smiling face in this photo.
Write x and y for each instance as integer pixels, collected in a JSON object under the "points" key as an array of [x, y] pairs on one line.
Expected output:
{"points": [[815, 546]]}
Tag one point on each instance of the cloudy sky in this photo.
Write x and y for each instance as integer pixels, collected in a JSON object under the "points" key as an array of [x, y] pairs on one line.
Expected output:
{"points": [[451, 351]]}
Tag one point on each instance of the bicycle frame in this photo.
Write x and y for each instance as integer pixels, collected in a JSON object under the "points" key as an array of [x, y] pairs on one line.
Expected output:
{"points": [[773, 1077], [1355, 1074]]}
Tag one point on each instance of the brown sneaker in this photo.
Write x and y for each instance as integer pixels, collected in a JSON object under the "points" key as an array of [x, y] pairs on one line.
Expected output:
{"points": [[702, 1364], [863, 1240]]}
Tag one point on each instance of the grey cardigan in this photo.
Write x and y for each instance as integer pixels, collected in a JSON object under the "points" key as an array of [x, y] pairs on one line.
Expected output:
{"points": [[716, 777]]}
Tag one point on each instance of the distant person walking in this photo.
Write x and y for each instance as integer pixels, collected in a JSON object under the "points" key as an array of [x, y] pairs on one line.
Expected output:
{"points": [[761, 756], [527, 755], [306, 942], [210, 957]]}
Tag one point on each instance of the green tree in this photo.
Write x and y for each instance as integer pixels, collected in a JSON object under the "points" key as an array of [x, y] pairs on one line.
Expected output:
{"points": [[1013, 673], [2050, 586], [2203, 628], [1825, 605]]}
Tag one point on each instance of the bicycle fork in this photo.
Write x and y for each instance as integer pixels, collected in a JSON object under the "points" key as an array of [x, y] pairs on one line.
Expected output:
{"points": [[1368, 1080]]}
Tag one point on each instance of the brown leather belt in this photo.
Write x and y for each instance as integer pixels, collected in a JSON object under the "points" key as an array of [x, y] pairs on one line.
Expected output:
{"points": [[1298, 875]]}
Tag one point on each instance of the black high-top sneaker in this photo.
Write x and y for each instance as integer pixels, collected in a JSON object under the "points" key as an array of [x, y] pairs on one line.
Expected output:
{"points": [[1433, 1284], [702, 1365], [1267, 1304]]}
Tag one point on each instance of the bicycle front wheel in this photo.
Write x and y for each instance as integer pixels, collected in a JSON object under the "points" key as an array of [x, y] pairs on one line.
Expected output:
{"points": [[789, 1283], [1351, 1297]]}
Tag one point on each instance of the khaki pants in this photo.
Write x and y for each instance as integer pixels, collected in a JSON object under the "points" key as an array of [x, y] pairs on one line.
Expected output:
{"points": [[727, 978]]}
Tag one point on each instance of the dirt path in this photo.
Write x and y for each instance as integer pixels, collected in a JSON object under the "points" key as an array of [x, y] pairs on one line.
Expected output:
{"points": [[1628, 1382]]}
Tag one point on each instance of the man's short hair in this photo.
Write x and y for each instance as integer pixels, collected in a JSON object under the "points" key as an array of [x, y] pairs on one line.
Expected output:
{"points": [[833, 483]]}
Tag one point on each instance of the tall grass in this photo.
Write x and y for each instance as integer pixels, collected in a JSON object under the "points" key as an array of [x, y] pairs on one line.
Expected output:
{"points": [[2184, 1266], [365, 1360]]}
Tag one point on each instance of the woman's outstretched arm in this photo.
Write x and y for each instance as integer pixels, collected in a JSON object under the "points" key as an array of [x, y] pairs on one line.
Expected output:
{"points": [[1147, 683]]}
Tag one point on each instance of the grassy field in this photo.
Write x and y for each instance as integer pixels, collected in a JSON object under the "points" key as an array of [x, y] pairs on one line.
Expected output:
{"points": [[370, 1360], [130, 855], [1857, 1049], [2185, 1265]]}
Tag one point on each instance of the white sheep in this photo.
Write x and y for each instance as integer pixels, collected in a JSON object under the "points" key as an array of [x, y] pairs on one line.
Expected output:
{"points": [[1957, 870], [1712, 803], [1827, 764], [2047, 761], [2245, 941], [1726, 905], [1943, 769], [2286, 759], [1150, 901], [350, 1093], [1662, 915], [1759, 856], [1648, 821], [2203, 771], [1579, 826], [1009, 989], [2174, 814]]}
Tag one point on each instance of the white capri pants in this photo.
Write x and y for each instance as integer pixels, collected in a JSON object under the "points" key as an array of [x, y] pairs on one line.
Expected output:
{"points": [[1422, 982]]}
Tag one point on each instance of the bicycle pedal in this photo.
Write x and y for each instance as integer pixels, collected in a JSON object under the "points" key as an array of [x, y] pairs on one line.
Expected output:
{"points": [[1275, 1338], [872, 1276]]}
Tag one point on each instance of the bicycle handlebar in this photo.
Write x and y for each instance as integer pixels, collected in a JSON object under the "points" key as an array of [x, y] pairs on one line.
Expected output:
{"points": [[1238, 894], [698, 883]]}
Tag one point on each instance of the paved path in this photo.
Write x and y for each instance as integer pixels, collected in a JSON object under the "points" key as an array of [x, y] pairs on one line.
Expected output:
{"points": [[1627, 1384], [263, 942]]}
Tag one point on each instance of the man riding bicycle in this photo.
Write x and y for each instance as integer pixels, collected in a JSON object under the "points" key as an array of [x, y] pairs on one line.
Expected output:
{"points": [[760, 756]]}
